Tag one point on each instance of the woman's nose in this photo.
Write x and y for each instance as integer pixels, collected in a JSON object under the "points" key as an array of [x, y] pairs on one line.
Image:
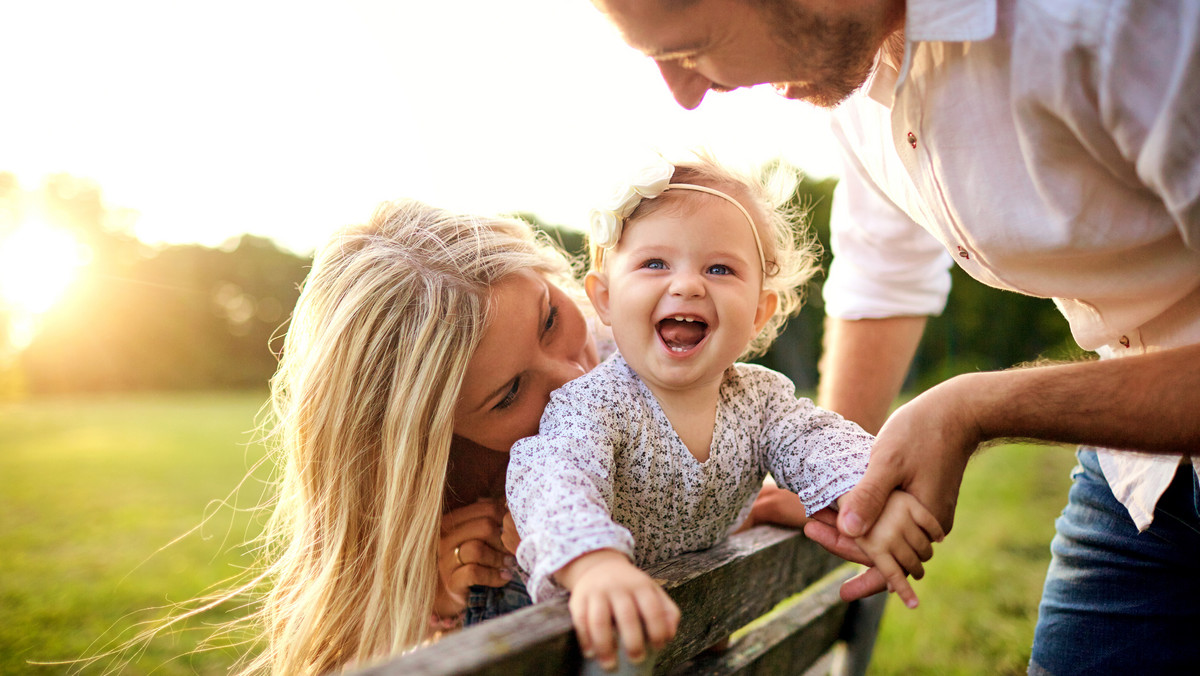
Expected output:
{"points": [[563, 370], [688, 86]]}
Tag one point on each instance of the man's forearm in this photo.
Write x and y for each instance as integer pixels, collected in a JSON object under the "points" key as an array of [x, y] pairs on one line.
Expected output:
{"points": [[864, 364], [1147, 403]]}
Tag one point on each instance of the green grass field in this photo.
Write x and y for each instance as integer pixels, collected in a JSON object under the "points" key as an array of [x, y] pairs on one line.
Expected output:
{"points": [[91, 490]]}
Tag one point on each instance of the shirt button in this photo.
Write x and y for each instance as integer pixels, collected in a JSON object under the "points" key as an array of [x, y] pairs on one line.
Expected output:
{"points": [[912, 139], [963, 253], [1124, 340]]}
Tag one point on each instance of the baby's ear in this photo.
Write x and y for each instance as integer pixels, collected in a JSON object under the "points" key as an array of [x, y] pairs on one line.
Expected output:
{"points": [[596, 285], [768, 302]]}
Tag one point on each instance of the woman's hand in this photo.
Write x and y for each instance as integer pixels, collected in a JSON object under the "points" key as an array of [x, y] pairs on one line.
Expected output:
{"points": [[470, 552]]}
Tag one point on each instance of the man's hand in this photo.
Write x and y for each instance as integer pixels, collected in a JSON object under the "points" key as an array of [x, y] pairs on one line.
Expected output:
{"points": [[822, 529], [923, 450]]}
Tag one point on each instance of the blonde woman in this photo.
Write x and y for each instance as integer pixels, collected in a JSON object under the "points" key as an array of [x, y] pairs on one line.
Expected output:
{"points": [[423, 346], [378, 431]]}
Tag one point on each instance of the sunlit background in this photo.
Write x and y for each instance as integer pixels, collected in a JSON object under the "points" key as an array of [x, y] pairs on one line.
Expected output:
{"points": [[167, 168], [202, 121]]}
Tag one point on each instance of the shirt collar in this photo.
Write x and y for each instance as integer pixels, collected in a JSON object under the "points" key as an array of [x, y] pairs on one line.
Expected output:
{"points": [[930, 21]]}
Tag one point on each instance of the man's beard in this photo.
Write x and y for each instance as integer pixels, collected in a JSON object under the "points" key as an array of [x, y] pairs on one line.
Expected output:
{"points": [[836, 54]]}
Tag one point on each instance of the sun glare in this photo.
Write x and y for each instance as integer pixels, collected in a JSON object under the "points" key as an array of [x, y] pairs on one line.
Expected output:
{"points": [[38, 263]]}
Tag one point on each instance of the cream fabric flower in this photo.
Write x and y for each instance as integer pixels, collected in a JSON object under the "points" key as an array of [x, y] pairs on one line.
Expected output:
{"points": [[606, 222]]}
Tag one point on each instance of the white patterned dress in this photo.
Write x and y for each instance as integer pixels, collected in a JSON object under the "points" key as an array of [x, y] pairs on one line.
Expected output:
{"points": [[607, 470]]}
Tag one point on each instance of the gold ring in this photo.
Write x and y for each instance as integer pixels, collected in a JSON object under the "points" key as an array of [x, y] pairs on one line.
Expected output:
{"points": [[457, 557]]}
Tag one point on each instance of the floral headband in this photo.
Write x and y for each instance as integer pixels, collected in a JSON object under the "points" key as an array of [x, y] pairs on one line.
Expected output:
{"points": [[606, 223]]}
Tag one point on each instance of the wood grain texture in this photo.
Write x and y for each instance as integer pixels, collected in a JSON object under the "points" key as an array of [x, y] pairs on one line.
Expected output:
{"points": [[719, 591]]}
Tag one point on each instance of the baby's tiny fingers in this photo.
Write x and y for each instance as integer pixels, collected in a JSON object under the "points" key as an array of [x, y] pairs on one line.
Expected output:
{"points": [[927, 522], [908, 560], [600, 628], [921, 547], [896, 579], [579, 615], [630, 627], [661, 616]]}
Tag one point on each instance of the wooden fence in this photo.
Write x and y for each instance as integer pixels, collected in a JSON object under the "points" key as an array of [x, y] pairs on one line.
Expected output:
{"points": [[771, 588]]}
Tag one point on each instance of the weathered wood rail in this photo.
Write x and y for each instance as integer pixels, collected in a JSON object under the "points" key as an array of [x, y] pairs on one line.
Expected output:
{"points": [[733, 587]]}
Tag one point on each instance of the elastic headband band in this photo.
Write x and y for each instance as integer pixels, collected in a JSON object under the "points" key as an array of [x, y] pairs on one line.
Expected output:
{"points": [[762, 259]]}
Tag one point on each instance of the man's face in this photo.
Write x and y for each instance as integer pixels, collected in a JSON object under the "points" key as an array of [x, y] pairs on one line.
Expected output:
{"points": [[818, 51]]}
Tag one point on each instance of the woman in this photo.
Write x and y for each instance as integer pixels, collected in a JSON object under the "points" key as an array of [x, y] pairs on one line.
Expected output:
{"points": [[423, 345]]}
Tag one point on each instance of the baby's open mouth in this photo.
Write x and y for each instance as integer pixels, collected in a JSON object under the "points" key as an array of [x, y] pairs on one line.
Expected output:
{"points": [[681, 334]]}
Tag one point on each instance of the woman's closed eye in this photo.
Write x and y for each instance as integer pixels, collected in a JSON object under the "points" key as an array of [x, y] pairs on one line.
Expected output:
{"points": [[510, 396], [514, 391]]}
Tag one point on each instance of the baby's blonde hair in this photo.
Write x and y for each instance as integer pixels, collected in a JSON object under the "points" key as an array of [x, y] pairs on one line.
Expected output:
{"points": [[363, 404], [791, 252]]}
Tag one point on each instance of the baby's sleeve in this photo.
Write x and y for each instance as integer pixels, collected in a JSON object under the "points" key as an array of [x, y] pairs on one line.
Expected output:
{"points": [[559, 489], [815, 453]]}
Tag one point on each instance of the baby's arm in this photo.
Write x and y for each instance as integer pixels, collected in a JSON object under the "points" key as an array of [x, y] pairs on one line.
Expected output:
{"points": [[606, 588], [900, 540]]}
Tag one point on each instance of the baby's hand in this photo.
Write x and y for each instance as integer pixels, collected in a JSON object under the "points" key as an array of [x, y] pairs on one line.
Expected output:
{"points": [[606, 588], [900, 540]]}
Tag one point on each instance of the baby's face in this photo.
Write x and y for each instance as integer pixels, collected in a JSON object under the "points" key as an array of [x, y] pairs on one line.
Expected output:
{"points": [[683, 292]]}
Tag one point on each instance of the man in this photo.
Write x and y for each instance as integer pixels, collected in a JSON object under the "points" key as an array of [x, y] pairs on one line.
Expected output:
{"points": [[1050, 147]]}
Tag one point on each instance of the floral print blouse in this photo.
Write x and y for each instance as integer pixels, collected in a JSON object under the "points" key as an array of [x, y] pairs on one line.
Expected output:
{"points": [[607, 470]]}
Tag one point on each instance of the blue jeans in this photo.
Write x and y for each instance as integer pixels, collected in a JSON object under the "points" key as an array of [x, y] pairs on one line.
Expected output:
{"points": [[484, 603], [1117, 601]]}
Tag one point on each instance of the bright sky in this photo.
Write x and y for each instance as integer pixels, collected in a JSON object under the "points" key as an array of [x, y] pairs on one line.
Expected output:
{"points": [[289, 119]]}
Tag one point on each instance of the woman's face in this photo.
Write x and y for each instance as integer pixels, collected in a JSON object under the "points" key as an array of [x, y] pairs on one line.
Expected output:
{"points": [[536, 340]]}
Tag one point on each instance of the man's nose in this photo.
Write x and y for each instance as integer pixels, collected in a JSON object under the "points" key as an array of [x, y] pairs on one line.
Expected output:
{"points": [[688, 86]]}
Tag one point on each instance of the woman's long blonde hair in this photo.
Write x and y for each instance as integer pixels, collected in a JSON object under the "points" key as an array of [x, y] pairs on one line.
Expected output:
{"points": [[363, 416]]}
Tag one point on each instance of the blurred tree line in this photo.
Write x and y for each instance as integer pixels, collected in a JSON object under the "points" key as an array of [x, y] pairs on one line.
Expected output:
{"points": [[194, 317], [146, 318]]}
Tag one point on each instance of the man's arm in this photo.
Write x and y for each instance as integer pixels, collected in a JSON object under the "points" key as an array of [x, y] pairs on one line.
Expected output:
{"points": [[1148, 403], [863, 366]]}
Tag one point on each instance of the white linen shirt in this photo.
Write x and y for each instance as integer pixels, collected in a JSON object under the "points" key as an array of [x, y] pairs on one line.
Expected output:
{"points": [[1049, 147], [608, 471]]}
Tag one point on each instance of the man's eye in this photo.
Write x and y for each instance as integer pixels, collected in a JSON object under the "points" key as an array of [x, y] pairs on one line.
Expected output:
{"points": [[719, 270], [509, 397]]}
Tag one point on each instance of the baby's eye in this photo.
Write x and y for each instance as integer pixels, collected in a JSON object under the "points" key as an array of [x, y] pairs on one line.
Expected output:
{"points": [[719, 270], [655, 264]]}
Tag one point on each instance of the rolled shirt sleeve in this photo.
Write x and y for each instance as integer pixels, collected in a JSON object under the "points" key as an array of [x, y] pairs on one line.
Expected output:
{"points": [[884, 264]]}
